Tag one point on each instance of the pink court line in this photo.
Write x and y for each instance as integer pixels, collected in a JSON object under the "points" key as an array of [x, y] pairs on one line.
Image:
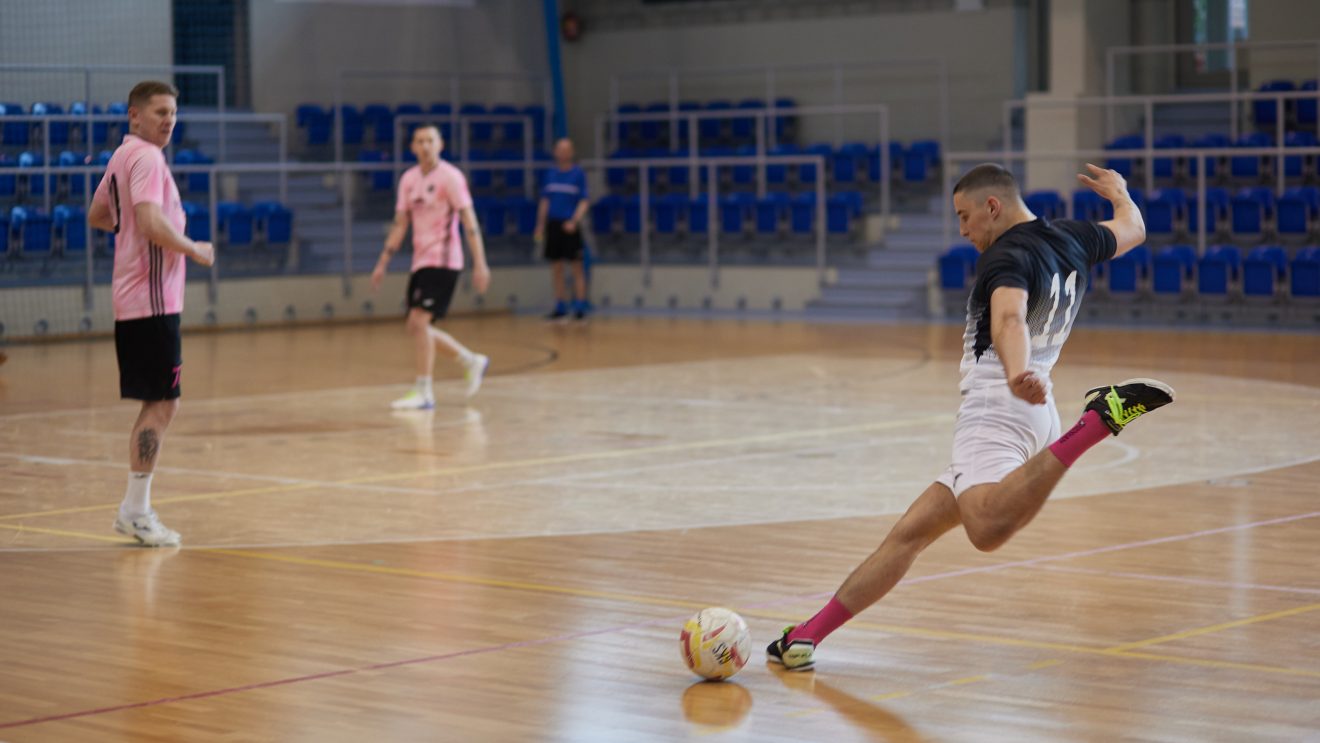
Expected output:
{"points": [[635, 625]]}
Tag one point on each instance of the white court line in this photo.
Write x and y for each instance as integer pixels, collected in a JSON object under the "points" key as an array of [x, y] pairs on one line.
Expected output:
{"points": [[1182, 579]]}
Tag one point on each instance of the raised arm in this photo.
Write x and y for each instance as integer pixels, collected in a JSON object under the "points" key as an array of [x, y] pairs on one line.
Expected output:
{"points": [[1012, 341], [1127, 225]]}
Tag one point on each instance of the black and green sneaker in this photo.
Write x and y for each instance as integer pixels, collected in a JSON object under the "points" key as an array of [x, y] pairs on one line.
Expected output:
{"points": [[797, 655], [1120, 404]]}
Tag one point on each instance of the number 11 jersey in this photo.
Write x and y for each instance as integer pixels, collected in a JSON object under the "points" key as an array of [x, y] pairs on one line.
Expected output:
{"points": [[1050, 260]]}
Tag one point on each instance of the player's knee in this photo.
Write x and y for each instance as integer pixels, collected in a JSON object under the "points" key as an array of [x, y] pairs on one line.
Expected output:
{"points": [[161, 412]]}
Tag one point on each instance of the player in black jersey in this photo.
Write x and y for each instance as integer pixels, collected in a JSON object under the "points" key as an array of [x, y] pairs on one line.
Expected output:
{"points": [[1030, 279]]}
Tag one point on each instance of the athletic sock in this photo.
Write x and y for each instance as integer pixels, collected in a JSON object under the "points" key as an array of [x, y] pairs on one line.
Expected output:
{"points": [[424, 387], [137, 497], [1088, 432], [466, 358], [823, 624]]}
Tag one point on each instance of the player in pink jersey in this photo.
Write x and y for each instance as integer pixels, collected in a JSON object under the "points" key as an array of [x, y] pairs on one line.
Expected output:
{"points": [[433, 198], [138, 201]]}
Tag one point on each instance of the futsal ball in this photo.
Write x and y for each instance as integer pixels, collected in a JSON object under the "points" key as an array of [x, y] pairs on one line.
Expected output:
{"points": [[715, 643]]}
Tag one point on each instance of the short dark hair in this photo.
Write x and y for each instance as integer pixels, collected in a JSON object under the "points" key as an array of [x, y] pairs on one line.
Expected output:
{"points": [[429, 126], [987, 175], [141, 93]]}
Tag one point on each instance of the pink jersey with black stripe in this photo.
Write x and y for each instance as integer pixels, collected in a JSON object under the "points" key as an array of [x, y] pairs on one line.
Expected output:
{"points": [[434, 201], [148, 279]]}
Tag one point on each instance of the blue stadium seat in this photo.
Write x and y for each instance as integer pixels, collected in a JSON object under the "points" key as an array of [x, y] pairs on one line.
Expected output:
{"points": [[1298, 210], [957, 265], [235, 222], [802, 213], [197, 221], [377, 180], [490, 212], [744, 176], [770, 212], [632, 215], [847, 160], [785, 126], [1165, 211], [1124, 272], [1166, 167], [380, 119], [442, 113], [523, 211], [194, 182], [1171, 267], [1252, 208], [4, 234], [354, 126], [654, 132], [14, 133], [71, 184], [1089, 206], [716, 129], [1218, 210], [1264, 269], [618, 177], [69, 228], [1047, 204], [685, 107], [918, 160], [59, 130], [510, 131], [481, 132], [35, 184], [1306, 273], [743, 128], [274, 222], [666, 211], [698, 215], [8, 182], [1266, 112], [734, 211], [1294, 166], [806, 172], [629, 131], [30, 230], [1306, 107], [319, 123], [1248, 166], [538, 115], [841, 209], [512, 178], [1217, 270], [1208, 141], [777, 175], [604, 214], [1124, 165]]}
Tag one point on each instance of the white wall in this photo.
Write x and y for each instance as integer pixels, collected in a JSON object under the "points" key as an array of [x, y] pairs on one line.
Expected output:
{"points": [[979, 47], [1283, 20], [298, 49], [79, 32]]}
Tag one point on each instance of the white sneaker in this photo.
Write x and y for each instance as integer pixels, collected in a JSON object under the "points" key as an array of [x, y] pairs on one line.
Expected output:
{"points": [[414, 400], [475, 372], [147, 529]]}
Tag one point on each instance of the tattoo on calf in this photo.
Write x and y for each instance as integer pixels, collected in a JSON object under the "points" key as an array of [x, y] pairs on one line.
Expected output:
{"points": [[148, 443]]}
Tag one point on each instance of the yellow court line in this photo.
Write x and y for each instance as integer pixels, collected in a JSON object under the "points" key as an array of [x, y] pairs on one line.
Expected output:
{"points": [[1214, 628], [518, 463], [1209, 663], [63, 533]]}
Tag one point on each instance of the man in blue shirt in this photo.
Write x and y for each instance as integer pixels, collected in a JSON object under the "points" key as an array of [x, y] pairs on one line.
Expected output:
{"points": [[558, 226]]}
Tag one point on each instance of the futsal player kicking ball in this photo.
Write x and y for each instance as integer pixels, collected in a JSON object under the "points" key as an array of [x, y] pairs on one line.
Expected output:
{"points": [[1029, 285], [139, 202], [433, 196]]}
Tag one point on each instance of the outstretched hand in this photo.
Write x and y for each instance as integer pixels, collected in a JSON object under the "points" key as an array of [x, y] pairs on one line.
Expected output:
{"points": [[1107, 183], [1028, 386]]}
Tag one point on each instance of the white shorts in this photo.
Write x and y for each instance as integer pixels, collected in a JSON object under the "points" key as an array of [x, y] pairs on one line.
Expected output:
{"points": [[995, 434]]}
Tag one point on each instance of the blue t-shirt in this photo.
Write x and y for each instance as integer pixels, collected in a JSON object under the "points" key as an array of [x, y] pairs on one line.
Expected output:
{"points": [[564, 189]]}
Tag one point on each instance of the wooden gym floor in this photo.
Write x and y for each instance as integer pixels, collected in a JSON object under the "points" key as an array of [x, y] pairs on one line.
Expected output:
{"points": [[518, 569]]}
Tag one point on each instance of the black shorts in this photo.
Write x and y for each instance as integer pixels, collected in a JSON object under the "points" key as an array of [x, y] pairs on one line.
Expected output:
{"points": [[561, 245], [150, 352], [432, 289]]}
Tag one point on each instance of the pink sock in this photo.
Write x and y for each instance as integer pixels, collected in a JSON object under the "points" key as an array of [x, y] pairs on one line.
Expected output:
{"points": [[1088, 432], [820, 626]]}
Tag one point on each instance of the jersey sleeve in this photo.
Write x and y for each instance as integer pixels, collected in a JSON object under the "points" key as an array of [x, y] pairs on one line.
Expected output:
{"points": [[1003, 267], [1096, 239], [582, 183], [460, 197], [147, 176]]}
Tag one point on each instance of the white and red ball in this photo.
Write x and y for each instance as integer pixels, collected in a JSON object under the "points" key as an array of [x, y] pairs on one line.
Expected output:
{"points": [[715, 643]]}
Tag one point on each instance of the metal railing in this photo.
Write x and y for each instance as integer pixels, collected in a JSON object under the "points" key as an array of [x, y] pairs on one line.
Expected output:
{"points": [[348, 185], [835, 71], [1232, 47], [454, 83], [1149, 102], [1200, 156], [463, 123], [764, 123]]}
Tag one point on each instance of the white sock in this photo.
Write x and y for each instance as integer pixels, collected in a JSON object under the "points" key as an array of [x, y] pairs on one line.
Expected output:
{"points": [[424, 387], [137, 498], [466, 358]]}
